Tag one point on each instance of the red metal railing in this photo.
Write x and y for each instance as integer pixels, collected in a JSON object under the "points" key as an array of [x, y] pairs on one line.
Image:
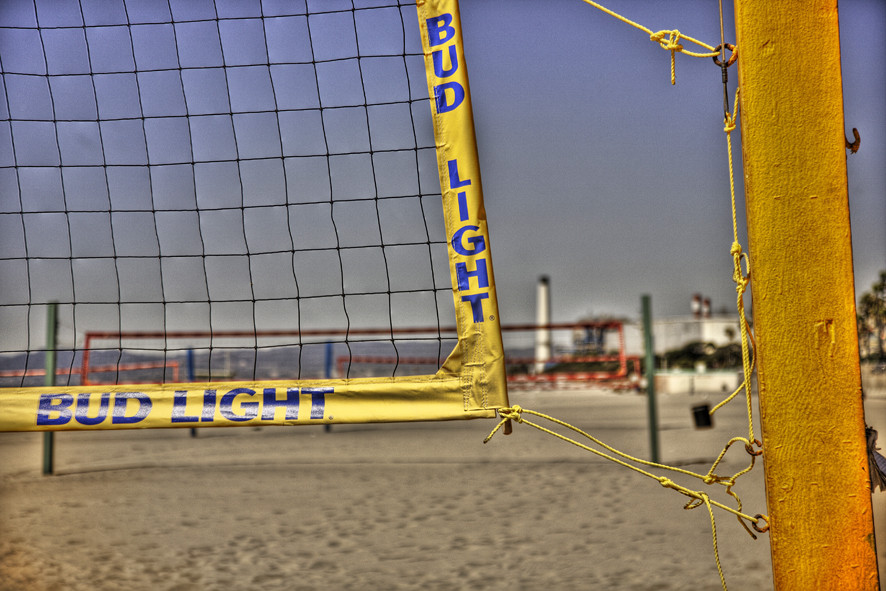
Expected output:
{"points": [[315, 335]]}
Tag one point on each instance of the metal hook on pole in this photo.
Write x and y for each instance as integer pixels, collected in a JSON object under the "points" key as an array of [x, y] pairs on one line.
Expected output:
{"points": [[853, 146]]}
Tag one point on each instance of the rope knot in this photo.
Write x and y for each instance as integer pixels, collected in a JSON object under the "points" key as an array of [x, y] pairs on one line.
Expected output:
{"points": [[671, 43], [729, 123], [514, 413], [735, 250], [667, 482]]}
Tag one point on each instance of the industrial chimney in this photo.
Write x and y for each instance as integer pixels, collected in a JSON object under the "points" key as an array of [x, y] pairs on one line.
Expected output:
{"points": [[542, 318]]}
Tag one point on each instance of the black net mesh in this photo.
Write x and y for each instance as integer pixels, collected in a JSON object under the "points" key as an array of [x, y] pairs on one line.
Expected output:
{"points": [[228, 190]]}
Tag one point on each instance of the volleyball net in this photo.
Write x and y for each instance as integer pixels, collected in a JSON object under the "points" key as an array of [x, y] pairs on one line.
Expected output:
{"points": [[218, 199]]}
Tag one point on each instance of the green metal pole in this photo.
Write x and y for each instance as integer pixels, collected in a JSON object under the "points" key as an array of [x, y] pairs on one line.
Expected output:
{"points": [[650, 377], [49, 381]]}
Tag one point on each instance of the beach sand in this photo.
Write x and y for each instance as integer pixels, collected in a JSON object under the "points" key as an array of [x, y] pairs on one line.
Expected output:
{"points": [[405, 506]]}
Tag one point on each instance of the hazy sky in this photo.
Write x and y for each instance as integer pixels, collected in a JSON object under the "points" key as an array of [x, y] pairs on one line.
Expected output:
{"points": [[596, 171], [601, 174]]}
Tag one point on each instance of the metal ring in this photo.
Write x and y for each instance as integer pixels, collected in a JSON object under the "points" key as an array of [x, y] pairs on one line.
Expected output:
{"points": [[758, 517], [750, 448], [732, 57]]}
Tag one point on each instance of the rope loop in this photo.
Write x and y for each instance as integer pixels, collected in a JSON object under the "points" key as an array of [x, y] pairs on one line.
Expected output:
{"points": [[740, 278]]}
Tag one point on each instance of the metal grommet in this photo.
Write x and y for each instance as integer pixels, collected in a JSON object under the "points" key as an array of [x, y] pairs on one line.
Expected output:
{"points": [[760, 517], [732, 57]]}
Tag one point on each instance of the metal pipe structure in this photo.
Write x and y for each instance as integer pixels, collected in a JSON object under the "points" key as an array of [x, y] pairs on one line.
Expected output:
{"points": [[543, 347], [49, 380]]}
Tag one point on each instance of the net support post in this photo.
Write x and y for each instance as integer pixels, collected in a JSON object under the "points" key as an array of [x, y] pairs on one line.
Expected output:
{"points": [[812, 417], [49, 380], [649, 342]]}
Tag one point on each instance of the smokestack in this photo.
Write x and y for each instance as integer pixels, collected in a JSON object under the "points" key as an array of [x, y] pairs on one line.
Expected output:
{"points": [[542, 317], [706, 308], [696, 305]]}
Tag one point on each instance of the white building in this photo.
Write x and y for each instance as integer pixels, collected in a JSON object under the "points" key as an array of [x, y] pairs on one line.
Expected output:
{"points": [[675, 332], [678, 331]]}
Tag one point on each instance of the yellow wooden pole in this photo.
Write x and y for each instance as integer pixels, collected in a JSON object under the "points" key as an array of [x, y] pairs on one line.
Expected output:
{"points": [[793, 142]]}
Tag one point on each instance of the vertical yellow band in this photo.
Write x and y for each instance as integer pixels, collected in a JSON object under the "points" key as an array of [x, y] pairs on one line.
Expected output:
{"points": [[479, 356]]}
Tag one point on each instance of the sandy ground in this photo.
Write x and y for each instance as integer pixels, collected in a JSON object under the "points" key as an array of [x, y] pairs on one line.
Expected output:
{"points": [[410, 506]]}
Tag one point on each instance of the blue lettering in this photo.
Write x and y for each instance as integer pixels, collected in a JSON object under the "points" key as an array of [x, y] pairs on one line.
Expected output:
{"points": [[179, 402], [477, 243], [463, 206], [440, 29], [437, 58], [62, 407], [476, 300], [454, 181], [250, 409], [208, 414], [318, 400], [271, 403], [464, 276], [82, 415], [121, 399], [442, 98]]}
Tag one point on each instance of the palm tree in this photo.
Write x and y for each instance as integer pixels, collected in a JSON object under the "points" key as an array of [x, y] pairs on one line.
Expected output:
{"points": [[872, 317]]}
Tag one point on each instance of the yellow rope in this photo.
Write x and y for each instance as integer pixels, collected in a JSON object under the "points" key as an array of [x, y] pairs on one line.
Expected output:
{"points": [[741, 280], [707, 502], [697, 498], [515, 413], [668, 39]]}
